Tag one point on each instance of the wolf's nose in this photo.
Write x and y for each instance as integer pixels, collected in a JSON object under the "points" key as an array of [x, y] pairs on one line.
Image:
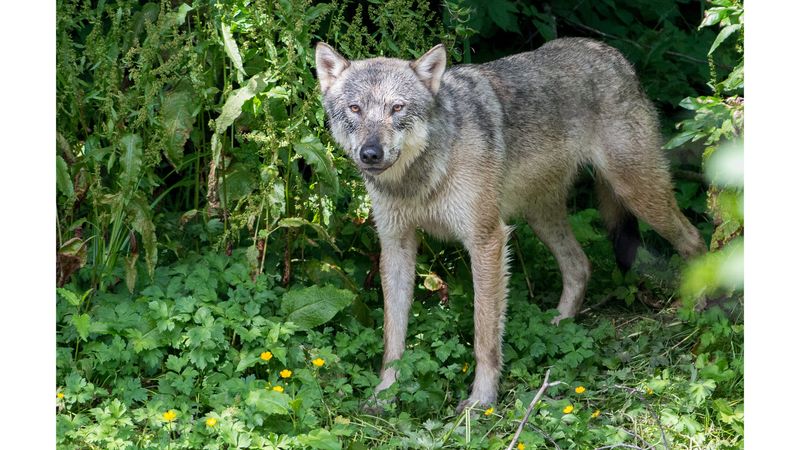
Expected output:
{"points": [[371, 154]]}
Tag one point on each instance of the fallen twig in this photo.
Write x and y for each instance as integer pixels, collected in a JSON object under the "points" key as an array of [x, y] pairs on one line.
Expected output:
{"points": [[545, 385], [650, 410]]}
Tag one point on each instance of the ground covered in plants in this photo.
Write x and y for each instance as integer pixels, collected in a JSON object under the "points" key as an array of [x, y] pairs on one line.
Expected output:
{"points": [[207, 357], [217, 271]]}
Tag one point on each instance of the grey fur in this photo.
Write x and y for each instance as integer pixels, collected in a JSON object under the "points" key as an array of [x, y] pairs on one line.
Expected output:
{"points": [[476, 145]]}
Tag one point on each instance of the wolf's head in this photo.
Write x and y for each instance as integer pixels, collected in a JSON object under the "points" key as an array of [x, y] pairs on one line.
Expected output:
{"points": [[378, 108]]}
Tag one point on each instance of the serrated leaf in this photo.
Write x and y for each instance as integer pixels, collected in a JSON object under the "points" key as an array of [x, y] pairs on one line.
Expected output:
{"points": [[130, 271], [139, 214], [130, 160], [320, 439], [177, 120], [247, 360], [63, 179], [268, 402], [312, 306], [81, 323], [232, 50], [314, 153], [69, 296], [503, 14]]}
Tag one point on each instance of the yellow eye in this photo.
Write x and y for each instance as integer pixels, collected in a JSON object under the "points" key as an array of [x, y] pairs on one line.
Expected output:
{"points": [[355, 108], [397, 108]]}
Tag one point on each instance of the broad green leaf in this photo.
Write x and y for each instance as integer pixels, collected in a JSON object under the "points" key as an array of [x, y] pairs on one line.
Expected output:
{"points": [[139, 214], [320, 439], [63, 179], [312, 306], [503, 13], [81, 323], [180, 16], [177, 118], [312, 150], [237, 183], [232, 109], [130, 160], [232, 50], [268, 402], [679, 139], [724, 34]]}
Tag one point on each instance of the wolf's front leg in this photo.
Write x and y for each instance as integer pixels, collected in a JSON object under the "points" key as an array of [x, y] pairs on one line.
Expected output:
{"points": [[489, 258], [398, 257]]}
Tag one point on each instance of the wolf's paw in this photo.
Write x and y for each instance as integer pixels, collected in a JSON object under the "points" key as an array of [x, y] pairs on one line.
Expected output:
{"points": [[475, 404], [376, 406], [559, 318]]}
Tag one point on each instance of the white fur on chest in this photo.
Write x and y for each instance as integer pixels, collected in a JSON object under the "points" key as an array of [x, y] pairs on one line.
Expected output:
{"points": [[448, 216]]}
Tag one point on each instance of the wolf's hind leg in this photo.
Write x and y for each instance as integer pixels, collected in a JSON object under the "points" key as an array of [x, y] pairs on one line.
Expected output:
{"points": [[641, 182], [551, 226]]}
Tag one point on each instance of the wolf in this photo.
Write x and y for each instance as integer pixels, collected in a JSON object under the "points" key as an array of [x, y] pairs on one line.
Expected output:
{"points": [[459, 152]]}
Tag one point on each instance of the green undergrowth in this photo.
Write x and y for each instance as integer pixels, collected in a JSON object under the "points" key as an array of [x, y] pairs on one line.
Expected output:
{"points": [[208, 357]]}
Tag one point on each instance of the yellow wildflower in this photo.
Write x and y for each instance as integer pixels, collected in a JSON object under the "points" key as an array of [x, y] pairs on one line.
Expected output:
{"points": [[277, 388], [211, 422], [568, 409], [318, 362], [266, 356], [465, 368], [286, 373], [60, 395], [488, 412], [595, 413], [170, 415], [649, 391], [520, 446], [580, 389]]}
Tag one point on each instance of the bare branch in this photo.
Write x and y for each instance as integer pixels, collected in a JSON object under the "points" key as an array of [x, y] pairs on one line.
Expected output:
{"points": [[545, 385]]}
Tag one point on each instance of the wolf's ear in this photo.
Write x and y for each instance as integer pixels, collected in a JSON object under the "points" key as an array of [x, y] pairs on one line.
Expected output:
{"points": [[330, 65], [430, 67]]}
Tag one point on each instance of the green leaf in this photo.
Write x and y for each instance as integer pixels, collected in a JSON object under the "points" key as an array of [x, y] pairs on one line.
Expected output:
{"points": [[131, 160], [180, 16], [69, 296], [713, 16], [130, 271], [321, 439], [268, 402], [680, 139], [503, 13], [724, 34], [81, 323], [139, 215], [296, 222], [232, 109], [177, 119], [312, 150], [237, 183], [312, 306], [63, 179], [232, 50]]}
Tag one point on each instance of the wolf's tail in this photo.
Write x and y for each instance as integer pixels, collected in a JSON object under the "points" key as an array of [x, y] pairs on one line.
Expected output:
{"points": [[623, 227]]}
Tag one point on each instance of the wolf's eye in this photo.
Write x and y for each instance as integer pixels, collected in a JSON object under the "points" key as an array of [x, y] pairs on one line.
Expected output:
{"points": [[355, 108], [397, 107]]}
